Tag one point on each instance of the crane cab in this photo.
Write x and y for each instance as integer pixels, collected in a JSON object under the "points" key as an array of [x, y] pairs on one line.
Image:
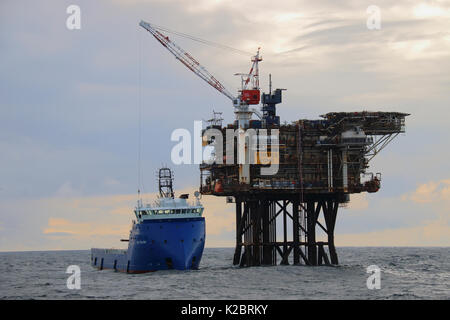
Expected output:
{"points": [[250, 96]]}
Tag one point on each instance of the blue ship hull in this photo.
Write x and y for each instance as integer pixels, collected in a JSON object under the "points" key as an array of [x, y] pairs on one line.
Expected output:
{"points": [[157, 244]]}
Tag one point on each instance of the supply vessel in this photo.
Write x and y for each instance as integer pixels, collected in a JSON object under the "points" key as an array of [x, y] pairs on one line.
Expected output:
{"points": [[168, 234]]}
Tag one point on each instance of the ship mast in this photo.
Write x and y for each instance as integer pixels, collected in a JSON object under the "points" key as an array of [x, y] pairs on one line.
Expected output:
{"points": [[165, 183]]}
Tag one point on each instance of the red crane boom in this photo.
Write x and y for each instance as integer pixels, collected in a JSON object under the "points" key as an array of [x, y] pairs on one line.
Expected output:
{"points": [[186, 59]]}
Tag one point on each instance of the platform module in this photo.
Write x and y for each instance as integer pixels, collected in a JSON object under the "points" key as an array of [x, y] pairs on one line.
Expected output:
{"points": [[320, 163]]}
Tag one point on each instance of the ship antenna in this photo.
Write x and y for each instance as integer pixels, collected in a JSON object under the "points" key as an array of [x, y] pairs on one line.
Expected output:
{"points": [[140, 180], [139, 160]]}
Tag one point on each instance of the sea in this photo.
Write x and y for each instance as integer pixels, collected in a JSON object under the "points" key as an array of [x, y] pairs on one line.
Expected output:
{"points": [[404, 273]]}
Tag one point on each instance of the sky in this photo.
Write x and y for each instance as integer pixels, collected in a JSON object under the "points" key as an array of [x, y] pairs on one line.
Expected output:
{"points": [[70, 101]]}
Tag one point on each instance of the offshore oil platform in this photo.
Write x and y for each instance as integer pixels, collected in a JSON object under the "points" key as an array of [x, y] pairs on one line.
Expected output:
{"points": [[320, 164], [295, 174]]}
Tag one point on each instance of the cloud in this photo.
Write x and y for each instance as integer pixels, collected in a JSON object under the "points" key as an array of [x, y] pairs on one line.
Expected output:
{"points": [[427, 10], [66, 190], [358, 202], [432, 233], [104, 89], [426, 211], [438, 191], [82, 230], [220, 216], [86, 220], [57, 234]]}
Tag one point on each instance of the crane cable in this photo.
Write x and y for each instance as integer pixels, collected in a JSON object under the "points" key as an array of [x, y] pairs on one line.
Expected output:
{"points": [[140, 172], [202, 41]]}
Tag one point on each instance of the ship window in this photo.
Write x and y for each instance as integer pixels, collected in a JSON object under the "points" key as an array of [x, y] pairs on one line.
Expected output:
{"points": [[183, 211], [167, 211], [160, 211], [178, 211]]}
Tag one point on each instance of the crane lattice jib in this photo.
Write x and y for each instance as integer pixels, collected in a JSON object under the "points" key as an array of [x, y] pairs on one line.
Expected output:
{"points": [[254, 67], [186, 59]]}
